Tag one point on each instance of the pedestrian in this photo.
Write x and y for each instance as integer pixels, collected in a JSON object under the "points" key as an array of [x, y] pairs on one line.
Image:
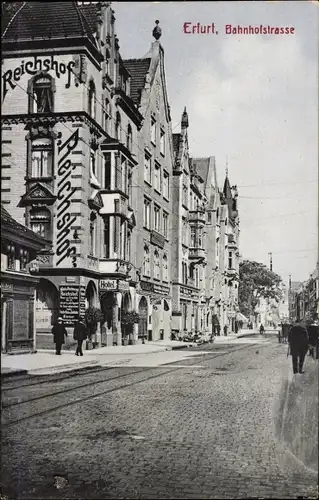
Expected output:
{"points": [[225, 330], [313, 335], [261, 329], [59, 332], [298, 343], [79, 334]]}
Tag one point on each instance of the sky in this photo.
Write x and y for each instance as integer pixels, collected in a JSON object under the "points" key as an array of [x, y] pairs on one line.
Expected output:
{"points": [[253, 100]]}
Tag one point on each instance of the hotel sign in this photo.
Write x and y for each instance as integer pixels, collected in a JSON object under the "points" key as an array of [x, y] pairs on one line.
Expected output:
{"points": [[154, 288], [113, 285]]}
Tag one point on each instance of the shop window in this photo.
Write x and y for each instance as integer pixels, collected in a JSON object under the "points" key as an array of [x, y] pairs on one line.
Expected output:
{"points": [[40, 222], [41, 158], [41, 94]]}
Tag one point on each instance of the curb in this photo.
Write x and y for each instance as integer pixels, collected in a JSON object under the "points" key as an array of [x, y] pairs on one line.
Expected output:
{"points": [[13, 373]]}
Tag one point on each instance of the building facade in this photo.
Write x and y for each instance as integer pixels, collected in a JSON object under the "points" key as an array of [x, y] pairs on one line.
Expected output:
{"points": [[19, 247], [304, 298], [69, 128]]}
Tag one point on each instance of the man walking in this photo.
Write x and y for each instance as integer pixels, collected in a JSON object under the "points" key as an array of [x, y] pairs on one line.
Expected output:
{"points": [[298, 342], [79, 334], [59, 332]]}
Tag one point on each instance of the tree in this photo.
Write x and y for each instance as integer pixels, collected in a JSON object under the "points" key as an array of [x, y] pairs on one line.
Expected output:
{"points": [[256, 281], [92, 317]]}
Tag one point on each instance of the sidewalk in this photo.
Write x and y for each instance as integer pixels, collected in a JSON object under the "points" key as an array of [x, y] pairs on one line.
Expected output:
{"points": [[45, 361]]}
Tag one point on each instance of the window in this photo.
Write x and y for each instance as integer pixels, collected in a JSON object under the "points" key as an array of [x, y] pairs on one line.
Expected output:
{"points": [[23, 258], [185, 232], [128, 246], [129, 137], [40, 222], [230, 260], [118, 127], [153, 130], [147, 168], [162, 142], [92, 233], [157, 270], [146, 261], [165, 268], [147, 213], [157, 177], [41, 158], [107, 238], [165, 224], [107, 116], [193, 237], [41, 94], [10, 250], [200, 238], [107, 171], [92, 162], [157, 226], [185, 195], [166, 185], [209, 217], [129, 189], [92, 100], [184, 273]]}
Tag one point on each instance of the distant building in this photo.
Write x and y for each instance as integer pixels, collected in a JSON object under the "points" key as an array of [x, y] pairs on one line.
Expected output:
{"points": [[19, 247]]}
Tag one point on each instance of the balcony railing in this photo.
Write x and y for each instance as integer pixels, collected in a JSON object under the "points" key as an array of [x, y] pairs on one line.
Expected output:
{"points": [[196, 253], [114, 203]]}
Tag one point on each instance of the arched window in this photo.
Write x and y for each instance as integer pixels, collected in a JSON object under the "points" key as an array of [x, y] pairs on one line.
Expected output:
{"points": [[118, 126], [41, 88], [146, 261], [41, 158], [92, 100], [157, 272], [165, 268], [129, 137], [40, 222]]}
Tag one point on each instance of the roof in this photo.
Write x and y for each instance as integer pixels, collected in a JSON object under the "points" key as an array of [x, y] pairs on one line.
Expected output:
{"points": [[202, 167], [138, 69], [47, 20], [7, 221], [227, 189]]}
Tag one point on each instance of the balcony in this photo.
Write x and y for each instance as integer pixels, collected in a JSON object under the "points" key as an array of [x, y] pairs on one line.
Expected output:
{"points": [[231, 272], [114, 204], [196, 253], [196, 216], [115, 267]]}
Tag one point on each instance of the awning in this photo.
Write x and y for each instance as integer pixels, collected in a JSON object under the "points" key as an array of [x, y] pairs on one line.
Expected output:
{"points": [[241, 317]]}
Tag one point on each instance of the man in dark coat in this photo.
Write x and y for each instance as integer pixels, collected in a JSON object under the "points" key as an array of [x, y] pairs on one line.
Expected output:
{"points": [[59, 332], [261, 329], [298, 342], [79, 334]]}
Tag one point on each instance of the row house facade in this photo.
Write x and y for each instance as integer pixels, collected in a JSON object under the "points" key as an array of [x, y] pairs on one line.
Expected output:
{"points": [[205, 244], [90, 164], [70, 148], [304, 298]]}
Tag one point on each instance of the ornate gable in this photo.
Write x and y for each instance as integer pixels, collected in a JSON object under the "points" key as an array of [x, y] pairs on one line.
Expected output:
{"points": [[37, 194]]}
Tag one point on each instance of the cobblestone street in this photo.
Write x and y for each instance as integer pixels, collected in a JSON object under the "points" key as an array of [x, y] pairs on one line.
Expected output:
{"points": [[203, 427]]}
